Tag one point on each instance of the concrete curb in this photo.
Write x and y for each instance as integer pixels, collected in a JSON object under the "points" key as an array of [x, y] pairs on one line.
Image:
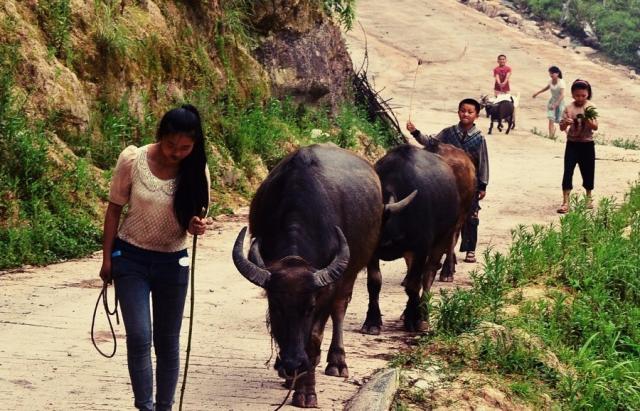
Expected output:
{"points": [[378, 393]]}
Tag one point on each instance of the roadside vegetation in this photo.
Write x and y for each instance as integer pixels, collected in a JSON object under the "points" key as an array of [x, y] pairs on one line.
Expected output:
{"points": [[554, 320], [54, 177], [599, 138], [39, 218], [616, 23]]}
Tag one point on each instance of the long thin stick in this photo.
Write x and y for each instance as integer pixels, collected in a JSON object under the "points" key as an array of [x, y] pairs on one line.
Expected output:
{"points": [[423, 61], [415, 77], [193, 278]]}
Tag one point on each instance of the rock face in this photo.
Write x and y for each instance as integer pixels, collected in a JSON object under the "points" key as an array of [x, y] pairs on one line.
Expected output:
{"points": [[303, 52]]}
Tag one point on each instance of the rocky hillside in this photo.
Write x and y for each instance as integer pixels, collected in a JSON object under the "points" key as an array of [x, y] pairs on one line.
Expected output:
{"points": [[80, 80]]}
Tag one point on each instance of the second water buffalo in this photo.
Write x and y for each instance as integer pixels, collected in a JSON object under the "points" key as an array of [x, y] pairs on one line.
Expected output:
{"points": [[421, 232]]}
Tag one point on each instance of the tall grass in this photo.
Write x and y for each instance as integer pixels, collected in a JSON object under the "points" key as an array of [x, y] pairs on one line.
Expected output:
{"points": [[616, 22], [54, 17], [589, 265], [41, 213], [113, 127]]}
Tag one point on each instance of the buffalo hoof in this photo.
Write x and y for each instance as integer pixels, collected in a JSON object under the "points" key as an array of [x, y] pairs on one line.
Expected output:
{"points": [[414, 326], [413, 322], [334, 370], [303, 400], [371, 329], [446, 278]]}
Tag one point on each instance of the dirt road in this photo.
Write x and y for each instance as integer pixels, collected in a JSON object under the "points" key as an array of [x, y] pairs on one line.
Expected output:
{"points": [[46, 358]]}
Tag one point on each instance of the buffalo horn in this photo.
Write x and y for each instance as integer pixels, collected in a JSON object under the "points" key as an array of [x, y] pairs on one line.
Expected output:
{"points": [[254, 254], [394, 207], [334, 270], [258, 276]]}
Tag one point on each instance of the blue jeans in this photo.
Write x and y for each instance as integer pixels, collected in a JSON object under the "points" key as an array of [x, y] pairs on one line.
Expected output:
{"points": [[138, 273]]}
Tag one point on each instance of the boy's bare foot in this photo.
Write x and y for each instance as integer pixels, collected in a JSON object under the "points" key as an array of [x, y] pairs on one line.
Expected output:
{"points": [[589, 203], [563, 209]]}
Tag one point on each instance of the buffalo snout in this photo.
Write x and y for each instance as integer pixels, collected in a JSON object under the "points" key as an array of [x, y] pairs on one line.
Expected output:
{"points": [[287, 367]]}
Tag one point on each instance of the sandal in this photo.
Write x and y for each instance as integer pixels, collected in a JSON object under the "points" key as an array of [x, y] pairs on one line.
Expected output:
{"points": [[470, 257], [564, 209], [589, 204]]}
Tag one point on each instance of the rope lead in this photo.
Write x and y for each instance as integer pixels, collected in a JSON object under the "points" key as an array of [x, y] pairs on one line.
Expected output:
{"points": [[105, 302]]}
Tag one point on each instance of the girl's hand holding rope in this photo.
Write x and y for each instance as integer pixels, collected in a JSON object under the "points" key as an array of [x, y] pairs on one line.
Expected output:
{"points": [[105, 271]]}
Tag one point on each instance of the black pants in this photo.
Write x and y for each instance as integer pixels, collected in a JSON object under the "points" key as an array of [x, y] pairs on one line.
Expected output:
{"points": [[470, 228], [584, 155]]}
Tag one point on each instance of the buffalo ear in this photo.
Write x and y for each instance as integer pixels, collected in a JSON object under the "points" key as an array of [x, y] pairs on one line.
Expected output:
{"points": [[257, 275], [335, 269]]}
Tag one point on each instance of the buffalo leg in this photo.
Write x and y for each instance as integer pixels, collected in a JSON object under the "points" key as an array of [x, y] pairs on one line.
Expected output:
{"points": [[432, 266], [412, 316], [373, 322], [408, 257], [449, 266], [305, 390], [490, 126], [336, 358]]}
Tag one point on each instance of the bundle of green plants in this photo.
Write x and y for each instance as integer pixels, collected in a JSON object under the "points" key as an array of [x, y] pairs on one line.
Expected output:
{"points": [[590, 113]]}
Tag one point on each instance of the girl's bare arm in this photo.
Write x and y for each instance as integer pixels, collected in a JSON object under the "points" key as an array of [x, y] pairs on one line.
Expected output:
{"points": [[541, 91], [111, 221]]}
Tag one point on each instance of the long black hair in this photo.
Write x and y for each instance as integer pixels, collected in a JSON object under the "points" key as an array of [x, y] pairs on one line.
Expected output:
{"points": [[192, 189], [580, 84], [555, 69]]}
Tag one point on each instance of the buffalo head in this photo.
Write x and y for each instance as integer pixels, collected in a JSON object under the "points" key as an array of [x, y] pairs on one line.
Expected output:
{"points": [[293, 289], [393, 234]]}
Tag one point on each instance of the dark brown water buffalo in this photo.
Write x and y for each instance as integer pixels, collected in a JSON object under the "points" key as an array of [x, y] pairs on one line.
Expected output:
{"points": [[421, 232], [465, 173], [315, 222]]}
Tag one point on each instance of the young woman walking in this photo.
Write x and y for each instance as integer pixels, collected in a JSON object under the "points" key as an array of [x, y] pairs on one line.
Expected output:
{"points": [[165, 186]]}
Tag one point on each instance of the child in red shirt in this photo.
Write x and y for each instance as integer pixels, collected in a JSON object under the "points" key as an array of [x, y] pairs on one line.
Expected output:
{"points": [[501, 75]]}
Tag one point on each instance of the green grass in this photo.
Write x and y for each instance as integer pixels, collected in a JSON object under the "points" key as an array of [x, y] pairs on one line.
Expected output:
{"points": [[112, 128], [50, 207], [616, 23], [49, 211], [599, 138], [41, 203], [344, 10], [589, 264], [542, 134], [54, 18], [626, 143]]}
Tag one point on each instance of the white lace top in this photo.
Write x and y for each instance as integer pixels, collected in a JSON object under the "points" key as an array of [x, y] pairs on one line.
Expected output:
{"points": [[150, 221]]}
